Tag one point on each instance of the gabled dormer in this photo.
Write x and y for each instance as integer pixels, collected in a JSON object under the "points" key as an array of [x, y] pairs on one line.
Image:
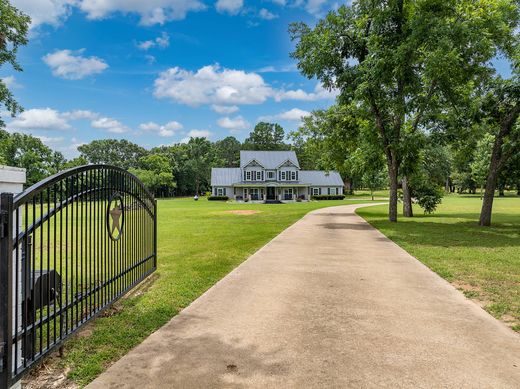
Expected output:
{"points": [[253, 171]]}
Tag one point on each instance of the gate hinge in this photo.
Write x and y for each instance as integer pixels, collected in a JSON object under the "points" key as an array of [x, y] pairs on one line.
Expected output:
{"points": [[4, 221]]}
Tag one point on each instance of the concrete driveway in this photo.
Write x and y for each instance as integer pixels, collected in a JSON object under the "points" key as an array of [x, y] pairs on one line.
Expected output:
{"points": [[329, 303]]}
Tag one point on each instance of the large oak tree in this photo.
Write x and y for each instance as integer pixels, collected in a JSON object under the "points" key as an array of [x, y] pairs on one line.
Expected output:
{"points": [[399, 59]]}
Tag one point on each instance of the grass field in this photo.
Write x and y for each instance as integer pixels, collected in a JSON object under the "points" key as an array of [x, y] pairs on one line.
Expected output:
{"points": [[198, 244], [482, 262]]}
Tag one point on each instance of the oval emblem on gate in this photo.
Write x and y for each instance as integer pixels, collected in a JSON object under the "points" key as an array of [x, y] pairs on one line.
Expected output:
{"points": [[115, 216]]}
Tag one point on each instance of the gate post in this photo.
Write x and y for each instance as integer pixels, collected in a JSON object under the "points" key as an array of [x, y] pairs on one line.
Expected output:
{"points": [[6, 285]]}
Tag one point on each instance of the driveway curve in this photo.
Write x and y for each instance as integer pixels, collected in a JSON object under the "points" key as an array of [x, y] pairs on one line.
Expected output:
{"points": [[328, 303]]}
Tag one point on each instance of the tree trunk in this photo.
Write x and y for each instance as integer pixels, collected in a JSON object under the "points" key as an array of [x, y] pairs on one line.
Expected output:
{"points": [[372, 194], [392, 176], [447, 187], [491, 183], [518, 189], [407, 199], [501, 191]]}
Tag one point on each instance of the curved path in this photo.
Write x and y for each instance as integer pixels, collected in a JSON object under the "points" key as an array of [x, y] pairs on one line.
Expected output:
{"points": [[329, 303]]}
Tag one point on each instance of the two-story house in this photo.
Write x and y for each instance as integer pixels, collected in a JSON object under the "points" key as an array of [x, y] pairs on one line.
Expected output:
{"points": [[273, 176]]}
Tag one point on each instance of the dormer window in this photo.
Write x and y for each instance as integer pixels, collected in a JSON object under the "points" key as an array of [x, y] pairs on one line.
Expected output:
{"points": [[283, 176], [293, 176], [258, 176], [248, 176]]}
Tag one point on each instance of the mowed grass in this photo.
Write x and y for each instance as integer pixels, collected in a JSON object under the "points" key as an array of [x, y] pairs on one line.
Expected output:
{"points": [[198, 244], [483, 262]]}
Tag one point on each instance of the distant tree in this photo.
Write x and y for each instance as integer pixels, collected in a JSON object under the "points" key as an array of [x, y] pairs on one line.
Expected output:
{"points": [[14, 26], [200, 158], [156, 174], [399, 60], [228, 151], [266, 136], [121, 153], [75, 162], [26, 151]]}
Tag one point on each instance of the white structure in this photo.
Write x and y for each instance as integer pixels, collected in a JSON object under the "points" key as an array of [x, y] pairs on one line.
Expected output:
{"points": [[273, 176], [12, 180]]}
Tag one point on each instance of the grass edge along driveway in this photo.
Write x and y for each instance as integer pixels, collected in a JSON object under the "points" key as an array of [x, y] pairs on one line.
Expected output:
{"points": [[482, 262], [198, 244]]}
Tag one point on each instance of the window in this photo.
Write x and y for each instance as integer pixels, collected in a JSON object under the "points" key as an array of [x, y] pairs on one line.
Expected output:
{"points": [[315, 191], [220, 191], [248, 176], [283, 176], [270, 175], [258, 176], [288, 194], [332, 191], [293, 176], [254, 193]]}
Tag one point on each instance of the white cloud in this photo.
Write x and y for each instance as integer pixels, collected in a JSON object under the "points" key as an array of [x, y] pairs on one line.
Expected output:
{"points": [[45, 11], [320, 93], [229, 6], [233, 124], [165, 130], [80, 114], [10, 82], [267, 15], [316, 7], [212, 85], [40, 119], [72, 65], [294, 115], [111, 125], [151, 11], [161, 41], [224, 109], [196, 134]]}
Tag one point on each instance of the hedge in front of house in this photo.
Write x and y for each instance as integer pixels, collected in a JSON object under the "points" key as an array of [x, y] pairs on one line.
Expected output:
{"points": [[327, 197], [218, 198]]}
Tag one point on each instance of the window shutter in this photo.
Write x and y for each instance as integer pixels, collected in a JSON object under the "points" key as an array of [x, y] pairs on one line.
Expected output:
{"points": [[262, 175], [296, 175], [279, 175], [319, 191], [328, 191]]}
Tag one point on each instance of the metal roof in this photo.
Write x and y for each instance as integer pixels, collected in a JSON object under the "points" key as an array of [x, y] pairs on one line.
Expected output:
{"points": [[225, 176], [268, 159], [232, 176], [320, 178]]}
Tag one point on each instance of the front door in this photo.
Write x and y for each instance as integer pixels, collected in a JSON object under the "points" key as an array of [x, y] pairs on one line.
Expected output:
{"points": [[271, 193]]}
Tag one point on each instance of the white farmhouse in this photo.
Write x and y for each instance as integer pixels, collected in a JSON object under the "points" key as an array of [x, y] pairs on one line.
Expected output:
{"points": [[273, 176]]}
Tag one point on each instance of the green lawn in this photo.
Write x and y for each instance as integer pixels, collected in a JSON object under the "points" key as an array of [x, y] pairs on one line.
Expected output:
{"points": [[482, 262], [198, 244]]}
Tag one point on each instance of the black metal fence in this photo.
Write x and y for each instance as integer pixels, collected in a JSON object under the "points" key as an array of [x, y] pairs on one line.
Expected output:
{"points": [[69, 247]]}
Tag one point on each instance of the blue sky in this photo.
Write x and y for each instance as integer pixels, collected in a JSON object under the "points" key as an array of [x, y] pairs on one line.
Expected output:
{"points": [[158, 71]]}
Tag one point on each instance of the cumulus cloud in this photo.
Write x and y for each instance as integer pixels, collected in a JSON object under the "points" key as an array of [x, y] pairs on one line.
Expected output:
{"points": [[266, 14], [212, 85], [294, 114], [161, 41], [40, 119], [45, 11], [111, 125], [320, 93], [224, 109], [151, 11], [72, 65], [229, 6], [165, 130], [196, 134], [233, 124]]}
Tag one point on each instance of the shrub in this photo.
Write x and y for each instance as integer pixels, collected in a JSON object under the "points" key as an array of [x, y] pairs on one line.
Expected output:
{"points": [[428, 197], [327, 197], [218, 198]]}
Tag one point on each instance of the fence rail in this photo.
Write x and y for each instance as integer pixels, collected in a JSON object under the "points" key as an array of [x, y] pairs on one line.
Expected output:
{"points": [[70, 246]]}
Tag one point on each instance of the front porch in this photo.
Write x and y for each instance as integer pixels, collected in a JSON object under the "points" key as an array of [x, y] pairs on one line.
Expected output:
{"points": [[271, 193]]}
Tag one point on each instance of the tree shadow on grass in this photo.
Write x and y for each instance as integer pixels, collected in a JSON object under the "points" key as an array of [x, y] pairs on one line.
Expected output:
{"points": [[465, 232]]}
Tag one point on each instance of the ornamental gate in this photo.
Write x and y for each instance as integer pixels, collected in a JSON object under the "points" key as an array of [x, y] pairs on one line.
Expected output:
{"points": [[69, 247]]}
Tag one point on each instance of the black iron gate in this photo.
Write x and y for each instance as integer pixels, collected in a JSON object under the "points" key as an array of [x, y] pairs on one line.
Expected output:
{"points": [[69, 246]]}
